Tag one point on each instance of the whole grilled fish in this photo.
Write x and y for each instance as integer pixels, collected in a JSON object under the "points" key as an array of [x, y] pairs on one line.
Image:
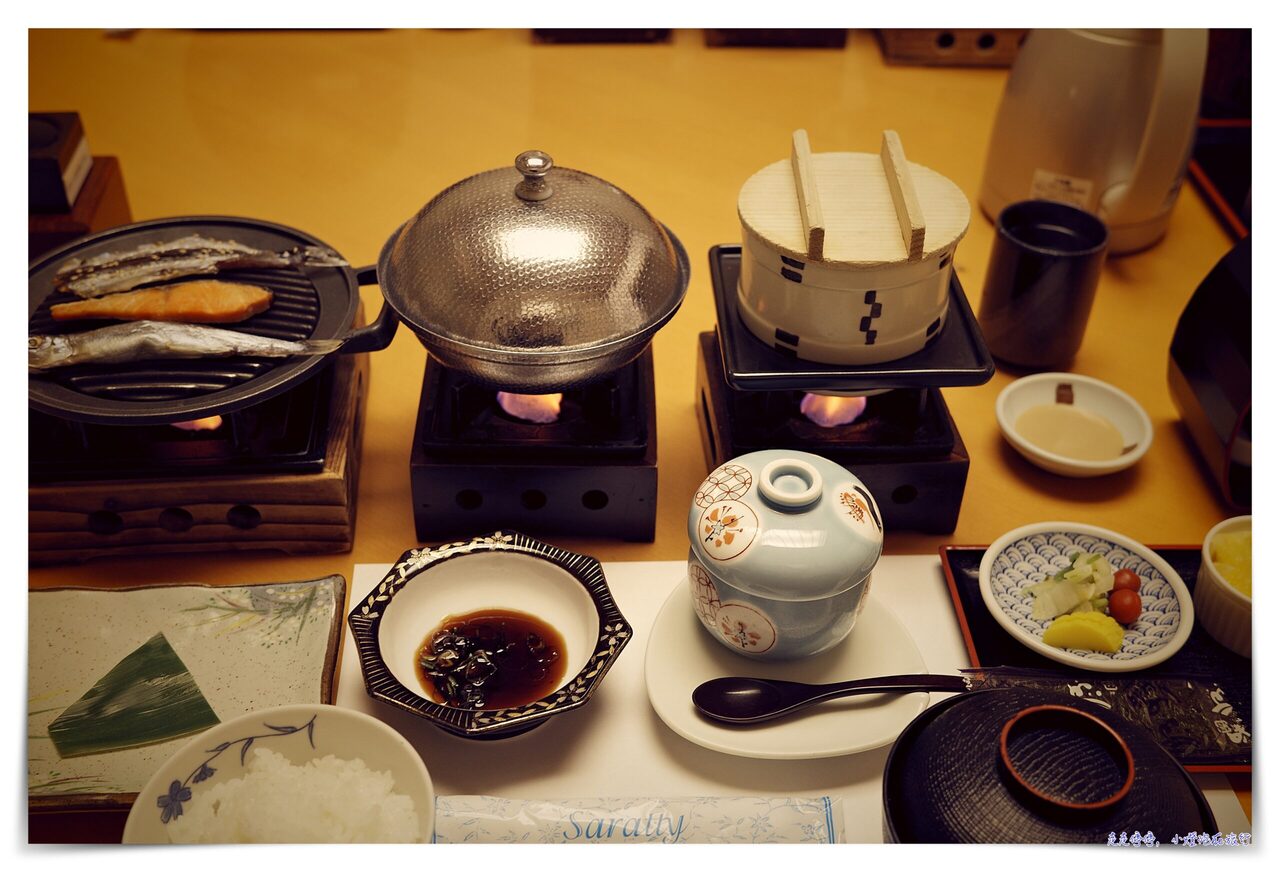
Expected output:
{"points": [[114, 271], [151, 340]]}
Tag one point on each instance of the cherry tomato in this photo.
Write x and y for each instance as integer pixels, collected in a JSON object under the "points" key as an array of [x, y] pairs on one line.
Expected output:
{"points": [[1127, 579], [1125, 605]]}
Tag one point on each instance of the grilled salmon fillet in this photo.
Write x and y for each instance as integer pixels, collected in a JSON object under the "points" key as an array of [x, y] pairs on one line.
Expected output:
{"points": [[205, 301]]}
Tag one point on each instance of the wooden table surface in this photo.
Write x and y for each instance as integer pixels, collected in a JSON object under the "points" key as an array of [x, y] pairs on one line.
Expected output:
{"points": [[345, 134]]}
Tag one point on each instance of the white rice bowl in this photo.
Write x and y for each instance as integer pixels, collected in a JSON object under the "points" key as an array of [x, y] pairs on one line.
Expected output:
{"points": [[322, 800], [296, 774]]}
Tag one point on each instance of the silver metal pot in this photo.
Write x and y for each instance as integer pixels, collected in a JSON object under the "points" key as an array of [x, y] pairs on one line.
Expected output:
{"points": [[534, 279]]}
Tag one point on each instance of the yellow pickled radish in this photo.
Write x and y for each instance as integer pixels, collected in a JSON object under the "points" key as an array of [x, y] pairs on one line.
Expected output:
{"points": [[1232, 555], [1090, 631]]}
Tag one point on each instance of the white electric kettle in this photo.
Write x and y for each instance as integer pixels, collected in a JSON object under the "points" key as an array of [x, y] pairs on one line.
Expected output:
{"points": [[1102, 119]]}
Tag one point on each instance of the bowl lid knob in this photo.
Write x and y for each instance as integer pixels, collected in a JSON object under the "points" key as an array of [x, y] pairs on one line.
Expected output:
{"points": [[790, 483], [534, 166]]}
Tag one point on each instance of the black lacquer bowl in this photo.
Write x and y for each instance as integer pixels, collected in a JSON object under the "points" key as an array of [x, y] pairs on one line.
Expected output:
{"points": [[505, 570], [1031, 766]]}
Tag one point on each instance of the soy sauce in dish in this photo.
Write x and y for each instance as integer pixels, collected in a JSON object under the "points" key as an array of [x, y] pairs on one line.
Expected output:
{"points": [[491, 659]]}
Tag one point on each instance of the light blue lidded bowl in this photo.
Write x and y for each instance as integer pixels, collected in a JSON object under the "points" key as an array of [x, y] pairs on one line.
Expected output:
{"points": [[782, 544]]}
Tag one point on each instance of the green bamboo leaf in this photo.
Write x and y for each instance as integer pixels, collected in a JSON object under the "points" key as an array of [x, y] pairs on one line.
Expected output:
{"points": [[147, 697]]}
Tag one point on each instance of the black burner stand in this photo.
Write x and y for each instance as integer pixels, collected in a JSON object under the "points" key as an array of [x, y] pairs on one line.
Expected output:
{"points": [[556, 492], [920, 493]]}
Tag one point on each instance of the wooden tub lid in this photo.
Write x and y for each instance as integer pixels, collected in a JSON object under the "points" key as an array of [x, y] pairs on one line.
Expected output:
{"points": [[853, 209]]}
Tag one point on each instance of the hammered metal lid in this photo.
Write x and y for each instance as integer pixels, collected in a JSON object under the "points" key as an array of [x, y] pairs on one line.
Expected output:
{"points": [[536, 261]]}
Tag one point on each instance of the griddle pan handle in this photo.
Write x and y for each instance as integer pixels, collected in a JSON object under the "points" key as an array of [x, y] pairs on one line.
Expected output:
{"points": [[375, 336]]}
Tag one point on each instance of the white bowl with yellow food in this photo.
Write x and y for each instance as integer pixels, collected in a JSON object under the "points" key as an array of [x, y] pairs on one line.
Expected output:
{"points": [[1073, 425], [1224, 585], [1050, 585]]}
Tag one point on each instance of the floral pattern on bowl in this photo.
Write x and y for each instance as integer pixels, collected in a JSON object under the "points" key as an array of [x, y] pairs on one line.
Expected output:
{"points": [[740, 625], [859, 509], [170, 802], [301, 734], [728, 528], [1029, 555]]}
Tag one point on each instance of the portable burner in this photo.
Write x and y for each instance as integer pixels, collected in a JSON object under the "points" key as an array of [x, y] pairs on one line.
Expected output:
{"points": [[580, 463], [885, 422]]}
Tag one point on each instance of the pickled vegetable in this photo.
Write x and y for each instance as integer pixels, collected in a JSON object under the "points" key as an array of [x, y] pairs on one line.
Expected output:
{"points": [[1074, 589], [1089, 631]]}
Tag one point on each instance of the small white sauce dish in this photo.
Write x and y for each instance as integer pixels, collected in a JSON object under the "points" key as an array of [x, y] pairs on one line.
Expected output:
{"points": [[1087, 394]]}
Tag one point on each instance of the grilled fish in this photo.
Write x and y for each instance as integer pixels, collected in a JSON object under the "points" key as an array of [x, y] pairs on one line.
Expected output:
{"points": [[204, 301], [150, 340], [114, 271]]}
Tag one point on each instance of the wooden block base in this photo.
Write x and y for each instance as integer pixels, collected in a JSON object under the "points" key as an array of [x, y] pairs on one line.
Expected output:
{"points": [[100, 204], [298, 514], [972, 47]]}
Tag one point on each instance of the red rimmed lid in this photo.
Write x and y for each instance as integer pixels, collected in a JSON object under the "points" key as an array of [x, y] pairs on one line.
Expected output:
{"points": [[1034, 736], [1032, 766]]}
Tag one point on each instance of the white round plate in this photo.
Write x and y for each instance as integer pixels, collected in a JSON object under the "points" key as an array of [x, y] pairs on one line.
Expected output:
{"points": [[1027, 555], [682, 654]]}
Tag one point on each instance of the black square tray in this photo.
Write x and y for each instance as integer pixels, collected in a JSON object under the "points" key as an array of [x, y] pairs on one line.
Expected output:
{"points": [[956, 357], [989, 645]]}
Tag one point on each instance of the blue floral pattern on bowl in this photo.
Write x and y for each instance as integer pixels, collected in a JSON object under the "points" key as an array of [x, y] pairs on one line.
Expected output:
{"points": [[170, 803], [1032, 558]]}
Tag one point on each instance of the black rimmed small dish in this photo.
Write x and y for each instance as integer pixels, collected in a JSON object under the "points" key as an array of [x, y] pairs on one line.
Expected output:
{"points": [[507, 572]]}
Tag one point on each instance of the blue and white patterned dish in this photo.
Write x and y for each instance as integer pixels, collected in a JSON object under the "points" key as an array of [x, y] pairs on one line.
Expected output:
{"points": [[1029, 555]]}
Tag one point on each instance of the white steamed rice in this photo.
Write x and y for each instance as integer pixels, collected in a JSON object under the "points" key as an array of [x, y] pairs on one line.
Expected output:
{"points": [[324, 800]]}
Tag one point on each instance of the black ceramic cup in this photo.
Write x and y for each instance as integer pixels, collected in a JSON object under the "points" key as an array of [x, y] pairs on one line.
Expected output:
{"points": [[1041, 281]]}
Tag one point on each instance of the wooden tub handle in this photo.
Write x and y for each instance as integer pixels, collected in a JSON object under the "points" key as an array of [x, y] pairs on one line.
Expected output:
{"points": [[903, 189], [815, 230]]}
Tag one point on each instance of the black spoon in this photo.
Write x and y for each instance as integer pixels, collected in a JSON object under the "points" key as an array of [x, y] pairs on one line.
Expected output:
{"points": [[742, 700]]}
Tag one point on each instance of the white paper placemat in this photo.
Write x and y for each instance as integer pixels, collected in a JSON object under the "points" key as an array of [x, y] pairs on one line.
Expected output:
{"points": [[616, 745]]}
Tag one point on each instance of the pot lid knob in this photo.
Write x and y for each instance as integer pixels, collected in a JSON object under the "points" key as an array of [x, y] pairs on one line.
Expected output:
{"points": [[534, 166], [790, 483]]}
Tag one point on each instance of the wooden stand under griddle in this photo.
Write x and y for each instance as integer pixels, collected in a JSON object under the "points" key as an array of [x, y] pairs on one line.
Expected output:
{"points": [[299, 513], [102, 203]]}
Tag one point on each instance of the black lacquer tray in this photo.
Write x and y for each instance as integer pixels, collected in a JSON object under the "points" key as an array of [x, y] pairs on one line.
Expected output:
{"points": [[956, 357], [1201, 659], [943, 780]]}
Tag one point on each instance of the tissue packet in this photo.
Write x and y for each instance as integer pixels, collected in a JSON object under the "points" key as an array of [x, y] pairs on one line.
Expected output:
{"points": [[699, 819]]}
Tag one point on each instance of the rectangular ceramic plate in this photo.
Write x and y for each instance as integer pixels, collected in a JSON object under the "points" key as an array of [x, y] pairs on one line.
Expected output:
{"points": [[162, 661], [989, 645]]}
